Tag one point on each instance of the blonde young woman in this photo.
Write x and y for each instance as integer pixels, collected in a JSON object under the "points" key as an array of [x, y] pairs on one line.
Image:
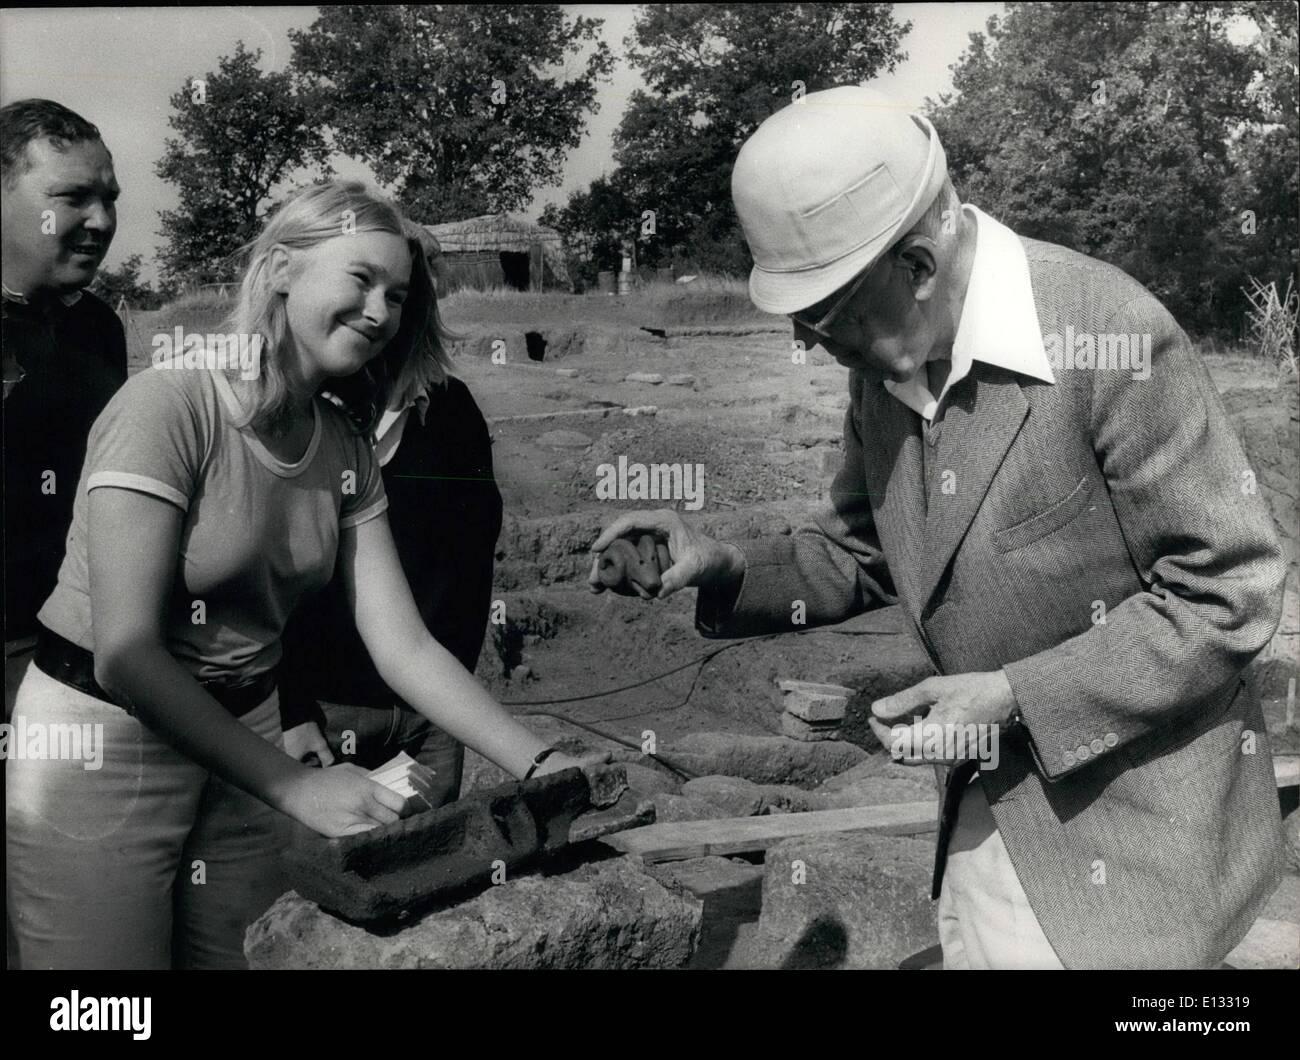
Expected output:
{"points": [[208, 505]]}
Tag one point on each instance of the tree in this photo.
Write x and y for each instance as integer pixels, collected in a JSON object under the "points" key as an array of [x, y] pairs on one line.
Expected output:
{"points": [[1267, 154], [243, 133], [1108, 127], [464, 110], [112, 285], [593, 224], [713, 73]]}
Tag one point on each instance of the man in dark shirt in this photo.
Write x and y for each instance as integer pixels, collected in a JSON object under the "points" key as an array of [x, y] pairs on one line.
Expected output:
{"points": [[64, 349], [444, 510], [445, 514]]}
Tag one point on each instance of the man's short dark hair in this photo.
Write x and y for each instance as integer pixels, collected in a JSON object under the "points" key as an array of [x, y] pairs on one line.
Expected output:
{"points": [[26, 120]]}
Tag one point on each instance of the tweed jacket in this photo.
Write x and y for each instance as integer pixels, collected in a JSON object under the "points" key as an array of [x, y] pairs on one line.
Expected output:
{"points": [[1101, 541]]}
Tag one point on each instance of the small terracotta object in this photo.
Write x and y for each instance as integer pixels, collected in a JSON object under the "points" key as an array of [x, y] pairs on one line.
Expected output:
{"points": [[624, 565]]}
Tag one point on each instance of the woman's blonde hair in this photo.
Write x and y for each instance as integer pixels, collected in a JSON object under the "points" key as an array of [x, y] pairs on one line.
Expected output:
{"points": [[413, 361]]}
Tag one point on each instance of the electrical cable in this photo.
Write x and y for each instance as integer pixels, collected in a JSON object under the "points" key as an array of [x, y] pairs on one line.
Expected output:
{"points": [[700, 662]]}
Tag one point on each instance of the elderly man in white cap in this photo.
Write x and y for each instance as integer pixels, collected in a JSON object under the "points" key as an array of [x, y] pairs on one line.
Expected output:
{"points": [[1040, 472]]}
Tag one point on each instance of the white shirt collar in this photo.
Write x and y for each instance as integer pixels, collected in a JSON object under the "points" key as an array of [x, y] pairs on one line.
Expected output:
{"points": [[13, 296], [998, 325], [388, 432]]}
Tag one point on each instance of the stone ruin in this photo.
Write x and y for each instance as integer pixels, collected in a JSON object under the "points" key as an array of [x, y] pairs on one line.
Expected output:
{"points": [[528, 879]]}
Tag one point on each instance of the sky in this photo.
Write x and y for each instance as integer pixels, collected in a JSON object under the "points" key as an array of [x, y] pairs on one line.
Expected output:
{"points": [[118, 67]]}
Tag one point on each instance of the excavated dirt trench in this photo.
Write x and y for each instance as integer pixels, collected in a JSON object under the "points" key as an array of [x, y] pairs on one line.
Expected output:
{"points": [[766, 433]]}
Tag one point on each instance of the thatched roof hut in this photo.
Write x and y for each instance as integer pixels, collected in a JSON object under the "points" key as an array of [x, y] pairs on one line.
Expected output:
{"points": [[498, 250]]}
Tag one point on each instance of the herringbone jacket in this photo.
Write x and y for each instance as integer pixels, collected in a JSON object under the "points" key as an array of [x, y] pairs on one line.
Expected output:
{"points": [[1138, 804]]}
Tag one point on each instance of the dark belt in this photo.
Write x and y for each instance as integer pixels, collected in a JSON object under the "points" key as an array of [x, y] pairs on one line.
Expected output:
{"points": [[72, 665]]}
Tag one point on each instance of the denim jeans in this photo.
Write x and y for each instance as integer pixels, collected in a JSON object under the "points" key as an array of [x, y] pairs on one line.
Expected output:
{"points": [[379, 733]]}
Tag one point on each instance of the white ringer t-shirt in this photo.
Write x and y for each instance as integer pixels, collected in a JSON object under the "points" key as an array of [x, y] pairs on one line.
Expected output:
{"points": [[258, 533]]}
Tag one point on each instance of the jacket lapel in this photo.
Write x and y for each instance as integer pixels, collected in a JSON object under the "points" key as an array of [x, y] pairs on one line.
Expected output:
{"points": [[974, 439], [891, 443]]}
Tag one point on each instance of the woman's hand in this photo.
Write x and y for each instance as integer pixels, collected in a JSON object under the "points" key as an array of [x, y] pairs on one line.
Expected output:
{"points": [[341, 800], [555, 763], [415, 666], [302, 740]]}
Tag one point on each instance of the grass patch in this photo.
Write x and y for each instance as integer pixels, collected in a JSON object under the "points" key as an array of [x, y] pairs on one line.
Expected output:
{"points": [[197, 311], [708, 299], [203, 301]]}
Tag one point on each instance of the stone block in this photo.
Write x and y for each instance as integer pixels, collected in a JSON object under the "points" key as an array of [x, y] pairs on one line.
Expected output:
{"points": [[732, 892], [738, 796], [851, 900], [392, 870], [798, 729], [647, 780], [608, 784], [747, 799], [606, 915], [878, 791], [813, 701], [1268, 944], [630, 811], [763, 759], [670, 808]]}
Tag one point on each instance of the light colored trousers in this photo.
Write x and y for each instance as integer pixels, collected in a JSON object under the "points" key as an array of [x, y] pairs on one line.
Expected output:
{"points": [[985, 920], [149, 861]]}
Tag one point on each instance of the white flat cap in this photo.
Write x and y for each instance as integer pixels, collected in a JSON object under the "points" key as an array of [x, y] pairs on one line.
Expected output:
{"points": [[825, 186]]}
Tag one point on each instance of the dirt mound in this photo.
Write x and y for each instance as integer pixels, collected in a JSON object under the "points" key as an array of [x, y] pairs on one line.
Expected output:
{"points": [[1267, 420], [735, 472]]}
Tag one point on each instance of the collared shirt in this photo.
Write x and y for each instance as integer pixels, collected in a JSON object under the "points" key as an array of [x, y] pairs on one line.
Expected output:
{"points": [[998, 324], [388, 433], [14, 373], [445, 517], [13, 296]]}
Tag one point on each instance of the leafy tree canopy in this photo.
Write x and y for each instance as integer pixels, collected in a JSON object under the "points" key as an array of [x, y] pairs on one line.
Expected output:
{"points": [[463, 110], [1110, 128], [242, 133]]}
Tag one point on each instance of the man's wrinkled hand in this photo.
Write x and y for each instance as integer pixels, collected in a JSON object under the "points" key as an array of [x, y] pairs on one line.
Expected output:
{"points": [[696, 559], [943, 703]]}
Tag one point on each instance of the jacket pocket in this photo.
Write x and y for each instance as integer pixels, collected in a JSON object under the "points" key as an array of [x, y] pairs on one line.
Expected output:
{"points": [[1052, 518]]}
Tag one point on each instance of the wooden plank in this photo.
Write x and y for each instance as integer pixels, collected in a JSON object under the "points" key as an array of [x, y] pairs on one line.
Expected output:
{"points": [[743, 835]]}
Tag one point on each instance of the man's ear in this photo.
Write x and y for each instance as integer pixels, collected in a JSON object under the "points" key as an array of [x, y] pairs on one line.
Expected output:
{"points": [[917, 256], [278, 270]]}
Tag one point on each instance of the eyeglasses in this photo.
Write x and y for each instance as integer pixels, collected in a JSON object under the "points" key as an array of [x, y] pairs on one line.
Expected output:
{"points": [[808, 318], [895, 255]]}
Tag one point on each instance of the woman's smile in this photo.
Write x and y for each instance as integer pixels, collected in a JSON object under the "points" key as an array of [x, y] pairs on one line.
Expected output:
{"points": [[345, 301], [370, 335]]}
